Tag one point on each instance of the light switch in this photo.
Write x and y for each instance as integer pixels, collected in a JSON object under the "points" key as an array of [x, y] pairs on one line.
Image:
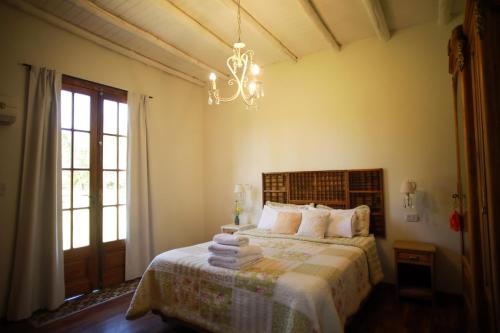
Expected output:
{"points": [[412, 217]]}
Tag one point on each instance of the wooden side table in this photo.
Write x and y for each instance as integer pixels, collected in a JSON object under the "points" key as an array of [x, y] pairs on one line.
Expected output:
{"points": [[232, 228], [415, 263]]}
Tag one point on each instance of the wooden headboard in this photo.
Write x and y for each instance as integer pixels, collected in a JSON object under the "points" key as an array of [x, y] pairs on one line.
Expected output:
{"points": [[334, 188]]}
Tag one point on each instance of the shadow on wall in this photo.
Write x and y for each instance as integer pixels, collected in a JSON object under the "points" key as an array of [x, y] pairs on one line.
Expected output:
{"points": [[427, 209]]}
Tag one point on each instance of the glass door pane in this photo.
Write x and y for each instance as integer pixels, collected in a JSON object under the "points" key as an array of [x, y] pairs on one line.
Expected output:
{"points": [[81, 228], [109, 224], [82, 112]]}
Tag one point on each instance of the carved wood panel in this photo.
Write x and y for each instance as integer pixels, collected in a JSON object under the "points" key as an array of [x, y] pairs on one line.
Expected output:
{"points": [[335, 188]]}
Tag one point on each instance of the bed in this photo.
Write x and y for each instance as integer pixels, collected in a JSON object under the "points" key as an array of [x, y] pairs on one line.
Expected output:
{"points": [[301, 285]]}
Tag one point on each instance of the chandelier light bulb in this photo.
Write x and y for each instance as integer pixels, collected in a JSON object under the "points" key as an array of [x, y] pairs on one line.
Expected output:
{"points": [[212, 78], [252, 87], [255, 69]]}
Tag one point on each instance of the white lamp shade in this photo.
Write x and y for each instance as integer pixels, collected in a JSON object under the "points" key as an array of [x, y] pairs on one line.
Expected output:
{"points": [[238, 188], [408, 186]]}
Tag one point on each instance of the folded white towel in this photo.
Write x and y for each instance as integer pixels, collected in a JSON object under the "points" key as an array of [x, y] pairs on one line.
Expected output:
{"points": [[233, 262], [228, 239], [234, 251]]}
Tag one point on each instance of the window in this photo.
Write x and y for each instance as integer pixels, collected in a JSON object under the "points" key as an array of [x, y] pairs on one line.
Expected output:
{"points": [[94, 122]]}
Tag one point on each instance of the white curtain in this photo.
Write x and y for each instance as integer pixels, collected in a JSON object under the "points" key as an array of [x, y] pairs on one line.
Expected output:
{"points": [[37, 279], [139, 244]]}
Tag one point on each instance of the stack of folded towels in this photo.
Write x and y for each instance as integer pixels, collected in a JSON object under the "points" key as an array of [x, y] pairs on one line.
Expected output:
{"points": [[233, 251]]}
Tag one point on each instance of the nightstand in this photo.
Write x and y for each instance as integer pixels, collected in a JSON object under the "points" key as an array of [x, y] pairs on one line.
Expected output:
{"points": [[232, 228], [415, 269]]}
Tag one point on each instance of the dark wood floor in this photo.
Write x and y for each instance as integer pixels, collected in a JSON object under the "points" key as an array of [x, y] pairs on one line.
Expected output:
{"points": [[381, 313]]}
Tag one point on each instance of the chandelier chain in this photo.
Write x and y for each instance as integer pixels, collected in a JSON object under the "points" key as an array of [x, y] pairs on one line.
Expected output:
{"points": [[239, 21]]}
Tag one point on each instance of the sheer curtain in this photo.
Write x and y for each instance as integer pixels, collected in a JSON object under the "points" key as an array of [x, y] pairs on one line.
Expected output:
{"points": [[139, 244], [37, 279]]}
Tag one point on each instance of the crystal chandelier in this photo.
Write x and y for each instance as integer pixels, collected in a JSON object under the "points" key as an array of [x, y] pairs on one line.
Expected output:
{"points": [[240, 64]]}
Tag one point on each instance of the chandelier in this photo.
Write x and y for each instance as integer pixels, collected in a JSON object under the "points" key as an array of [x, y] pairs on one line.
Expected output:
{"points": [[244, 72]]}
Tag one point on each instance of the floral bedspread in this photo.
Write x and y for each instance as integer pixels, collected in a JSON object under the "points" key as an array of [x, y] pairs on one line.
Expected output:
{"points": [[301, 285]]}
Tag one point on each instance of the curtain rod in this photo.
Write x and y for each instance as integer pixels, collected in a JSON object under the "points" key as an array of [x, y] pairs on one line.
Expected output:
{"points": [[29, 66]]}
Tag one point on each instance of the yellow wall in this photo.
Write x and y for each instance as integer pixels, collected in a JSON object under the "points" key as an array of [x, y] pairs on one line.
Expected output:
{"points": [[372, 105], [176, 127]]}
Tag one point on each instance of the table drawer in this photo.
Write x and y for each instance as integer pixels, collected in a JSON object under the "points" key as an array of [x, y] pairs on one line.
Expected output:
{"points": [[415, 257]]}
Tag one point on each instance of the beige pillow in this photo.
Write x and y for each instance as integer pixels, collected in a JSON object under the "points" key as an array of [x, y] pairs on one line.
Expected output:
{"points": [[314, 223], [287, 223], [362, 221]]}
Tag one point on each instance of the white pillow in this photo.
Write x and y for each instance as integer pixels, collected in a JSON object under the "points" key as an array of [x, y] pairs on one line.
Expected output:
{"points": [[314, 223], [291, 206], [361, 221], [341, 223], [268, 217]]}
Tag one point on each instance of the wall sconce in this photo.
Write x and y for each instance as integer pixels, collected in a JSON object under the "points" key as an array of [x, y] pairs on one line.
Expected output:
{"points": [[408, 188]]}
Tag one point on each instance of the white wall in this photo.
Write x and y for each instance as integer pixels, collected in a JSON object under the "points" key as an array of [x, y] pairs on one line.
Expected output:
{"points": [[176, 123], [372, 105]]}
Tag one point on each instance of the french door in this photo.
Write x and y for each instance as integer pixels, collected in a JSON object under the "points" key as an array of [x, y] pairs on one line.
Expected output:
{"points": [[94, 120]]}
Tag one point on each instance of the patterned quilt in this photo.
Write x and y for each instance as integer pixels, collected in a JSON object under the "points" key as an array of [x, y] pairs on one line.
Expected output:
{"points": [[301, 285]]}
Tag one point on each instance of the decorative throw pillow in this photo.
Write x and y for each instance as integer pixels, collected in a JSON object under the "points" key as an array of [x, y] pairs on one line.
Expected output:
{"points": [[314, 223], [271, 210], [362, 221], [287, 223], [341, 223]]}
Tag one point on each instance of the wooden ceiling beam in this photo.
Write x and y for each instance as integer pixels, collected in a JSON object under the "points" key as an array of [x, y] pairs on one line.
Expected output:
{"points": [[68, 26], [314, 14], [377, 18], [444, 12], [266, 32], [172, 8], [121, 23]]}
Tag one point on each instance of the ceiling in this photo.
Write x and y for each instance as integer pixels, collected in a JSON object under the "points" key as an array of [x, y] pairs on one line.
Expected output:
{"points": [[190, 38]]}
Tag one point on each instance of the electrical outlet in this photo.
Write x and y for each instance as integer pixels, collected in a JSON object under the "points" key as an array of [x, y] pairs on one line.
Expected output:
{"points": [[411, 217]]}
